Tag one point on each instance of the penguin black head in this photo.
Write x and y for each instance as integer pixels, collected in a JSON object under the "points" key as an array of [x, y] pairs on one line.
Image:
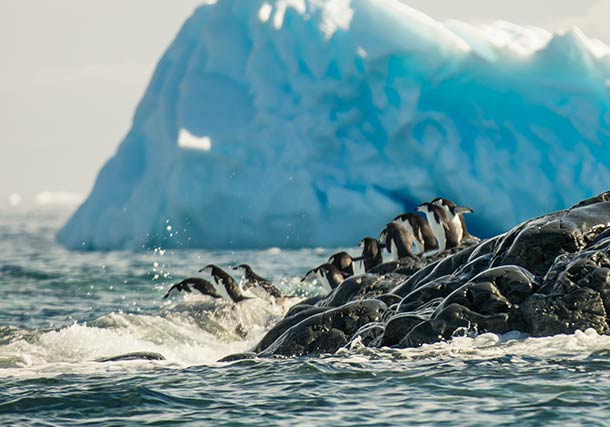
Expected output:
{"points": [[208, 268], [425, 207], [332, 274], [451, 206], [344, 262], [383, 236], [368, 242], [245, 267]]}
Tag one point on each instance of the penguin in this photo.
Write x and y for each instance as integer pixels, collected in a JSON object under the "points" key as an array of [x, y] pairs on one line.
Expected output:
{"points": [[398, 240], [331, 276], [441, 226], [253, 279], [424, 239], [344, 262], [222, 277], [371, 253], [456, 215], [202, 285]]}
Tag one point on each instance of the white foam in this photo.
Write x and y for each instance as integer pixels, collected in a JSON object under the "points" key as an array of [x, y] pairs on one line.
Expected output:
{"points": [[488, 345], [194, 331]]}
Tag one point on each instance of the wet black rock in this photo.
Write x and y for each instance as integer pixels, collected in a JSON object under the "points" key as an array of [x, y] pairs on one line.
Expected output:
{"points": [[328, 331], [286, 324], [546, 276], [137, 355]]}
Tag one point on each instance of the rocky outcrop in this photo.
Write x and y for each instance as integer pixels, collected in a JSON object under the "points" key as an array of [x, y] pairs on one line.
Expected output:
{"points": [[547, 276]]}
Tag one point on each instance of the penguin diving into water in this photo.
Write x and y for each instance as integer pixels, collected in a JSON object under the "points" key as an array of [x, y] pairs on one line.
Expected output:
{"points": [[221, 277], [201, 285], [253, 279]]}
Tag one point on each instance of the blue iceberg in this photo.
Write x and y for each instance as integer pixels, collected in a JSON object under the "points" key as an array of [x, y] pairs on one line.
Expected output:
{"points": [[297, 123]]}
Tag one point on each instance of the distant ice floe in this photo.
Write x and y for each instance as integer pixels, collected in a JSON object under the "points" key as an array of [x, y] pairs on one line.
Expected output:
{"points": [[46, 199], [322, 119], [55, 198], [14, 200]]}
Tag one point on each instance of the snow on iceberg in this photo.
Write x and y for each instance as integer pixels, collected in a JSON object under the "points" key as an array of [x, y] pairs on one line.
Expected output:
{"points": [[311, 122]]}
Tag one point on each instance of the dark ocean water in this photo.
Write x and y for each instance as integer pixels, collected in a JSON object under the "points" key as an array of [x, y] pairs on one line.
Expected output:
{"points": [[60, 311]]}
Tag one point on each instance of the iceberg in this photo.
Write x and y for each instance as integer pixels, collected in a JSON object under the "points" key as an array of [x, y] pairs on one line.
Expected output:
{"points": [[294, 123]]}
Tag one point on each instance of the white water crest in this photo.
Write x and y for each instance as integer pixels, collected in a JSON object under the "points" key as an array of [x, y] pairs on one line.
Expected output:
{"points": [[197, 330]]}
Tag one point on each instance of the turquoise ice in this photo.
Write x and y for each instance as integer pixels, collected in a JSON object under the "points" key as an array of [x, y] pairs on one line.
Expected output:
{"points": [[311, 123]]}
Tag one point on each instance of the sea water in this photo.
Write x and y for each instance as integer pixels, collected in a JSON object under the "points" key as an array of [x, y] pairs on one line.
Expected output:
{"points": [[61, 311]]}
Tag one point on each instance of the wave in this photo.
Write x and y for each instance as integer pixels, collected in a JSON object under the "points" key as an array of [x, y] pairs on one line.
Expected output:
{"points": [[514, 346], [191, 332]]}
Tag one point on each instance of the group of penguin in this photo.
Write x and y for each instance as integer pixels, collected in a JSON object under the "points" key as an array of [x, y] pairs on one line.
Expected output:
{"points": [[408, 235], [224, 279]]}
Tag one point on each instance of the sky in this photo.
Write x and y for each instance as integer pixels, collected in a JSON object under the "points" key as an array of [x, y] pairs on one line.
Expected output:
{"points": [[73, 71]]}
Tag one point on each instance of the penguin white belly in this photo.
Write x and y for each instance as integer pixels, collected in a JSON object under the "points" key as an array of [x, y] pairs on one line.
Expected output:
{"points": [[457, 224], [359, 268], [438, 231]]}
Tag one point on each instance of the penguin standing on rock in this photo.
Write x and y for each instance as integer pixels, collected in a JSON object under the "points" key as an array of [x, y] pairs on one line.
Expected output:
{"points": [[331, 275], [398, 240], [222, 277], [253, 279], [456, 215], [344, 262], [425, 242], [371, 253], [441, 226]]}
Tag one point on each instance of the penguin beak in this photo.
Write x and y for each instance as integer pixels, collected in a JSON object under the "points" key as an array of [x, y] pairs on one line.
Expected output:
{"points": [[463, 209]]}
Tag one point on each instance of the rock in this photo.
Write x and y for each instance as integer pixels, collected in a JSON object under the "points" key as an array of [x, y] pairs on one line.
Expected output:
{"points": [[451, 319], [399, 326], [238, 356], [286, 324], [546, 276], [298, 308], [581, 308], [137, 355], [369, 335], [389, 299], [361, 287], [328, 331], [535, 244]]}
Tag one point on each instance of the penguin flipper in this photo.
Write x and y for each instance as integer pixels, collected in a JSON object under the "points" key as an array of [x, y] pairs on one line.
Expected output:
{"points": [[179, 287]]}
